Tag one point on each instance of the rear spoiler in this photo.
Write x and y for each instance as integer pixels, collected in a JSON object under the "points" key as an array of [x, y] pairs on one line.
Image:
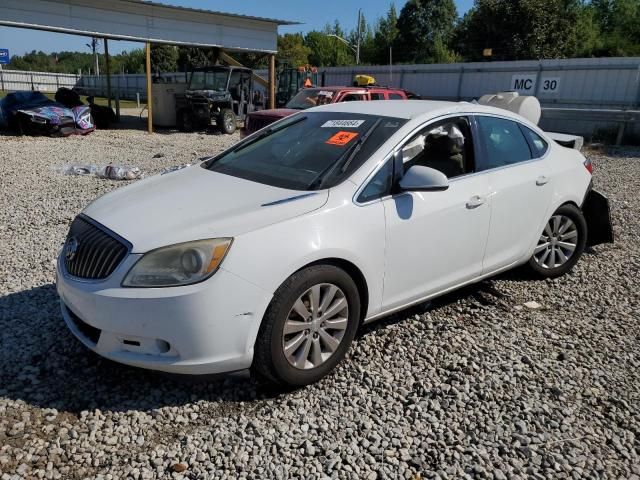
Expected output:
{"points": [[570, 141]]}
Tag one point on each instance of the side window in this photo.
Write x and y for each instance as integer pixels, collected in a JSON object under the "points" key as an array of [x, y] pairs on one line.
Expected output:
{"points": [[395, 96], [352, 97], [445, 146], [377, 96], [504, 141], [379, 185], [537, 143]]}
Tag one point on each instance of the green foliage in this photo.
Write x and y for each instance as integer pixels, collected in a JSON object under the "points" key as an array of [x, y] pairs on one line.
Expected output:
{"points": [[423, 23], [195, 57], [385, 36], [73, 62], [292, 50], [326, 50], [164, 58]]}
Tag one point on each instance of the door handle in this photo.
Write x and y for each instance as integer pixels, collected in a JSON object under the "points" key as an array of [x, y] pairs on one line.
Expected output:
{"points": [[542, 180], [475, 202]]}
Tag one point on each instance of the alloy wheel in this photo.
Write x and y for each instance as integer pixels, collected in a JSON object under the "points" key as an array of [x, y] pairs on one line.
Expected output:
{"points": [[315, 326], [557, 243]]}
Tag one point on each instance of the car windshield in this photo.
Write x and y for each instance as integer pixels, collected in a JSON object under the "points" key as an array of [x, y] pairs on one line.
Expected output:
{"points": [[307, 151], [209, 80], [310, 97]]}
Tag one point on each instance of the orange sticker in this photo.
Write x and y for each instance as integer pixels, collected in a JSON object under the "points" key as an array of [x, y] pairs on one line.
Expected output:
{"points": [[342, 138]]}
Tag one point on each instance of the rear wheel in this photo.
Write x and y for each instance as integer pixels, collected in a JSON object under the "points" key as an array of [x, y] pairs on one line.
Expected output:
{"points": [[226, 121], [561, 243], [308, 327]]}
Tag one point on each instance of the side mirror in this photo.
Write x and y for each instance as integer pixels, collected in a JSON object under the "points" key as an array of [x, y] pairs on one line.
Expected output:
{"points": [[423, 179]]}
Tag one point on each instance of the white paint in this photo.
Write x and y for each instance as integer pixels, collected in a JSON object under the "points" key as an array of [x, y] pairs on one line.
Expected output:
{"points": [[410, 247], [343, 124]]}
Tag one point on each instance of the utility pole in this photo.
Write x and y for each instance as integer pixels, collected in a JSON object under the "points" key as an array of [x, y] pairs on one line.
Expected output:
{"points": [[359, 36], [94, 48]]}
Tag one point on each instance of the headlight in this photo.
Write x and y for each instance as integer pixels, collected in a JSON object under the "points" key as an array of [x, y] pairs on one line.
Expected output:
{"points": [[181, 264]]}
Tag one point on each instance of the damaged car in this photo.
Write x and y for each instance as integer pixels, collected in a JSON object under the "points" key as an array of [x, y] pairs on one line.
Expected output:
{"points": [[33, 113], [270, 255]]}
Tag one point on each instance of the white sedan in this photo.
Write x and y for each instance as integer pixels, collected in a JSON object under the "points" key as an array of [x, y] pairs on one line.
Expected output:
{"points": [[270, 255]]}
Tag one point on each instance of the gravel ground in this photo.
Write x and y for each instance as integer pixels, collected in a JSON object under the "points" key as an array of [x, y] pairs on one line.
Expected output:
{"points": [[478, 385]]}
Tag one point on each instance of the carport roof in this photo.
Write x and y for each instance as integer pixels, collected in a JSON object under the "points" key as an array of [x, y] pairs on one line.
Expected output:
{"points": [[201, 10], [145, 21]]}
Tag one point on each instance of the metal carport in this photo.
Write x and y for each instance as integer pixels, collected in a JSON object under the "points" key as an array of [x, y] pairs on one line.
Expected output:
{"points": [[149, 22]]}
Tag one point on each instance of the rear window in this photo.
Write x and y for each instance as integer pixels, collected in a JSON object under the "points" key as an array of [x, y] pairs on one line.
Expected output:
{"points": [[307, 151]]}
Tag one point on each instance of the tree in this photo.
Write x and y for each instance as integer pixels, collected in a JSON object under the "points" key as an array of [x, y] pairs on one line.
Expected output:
{"points": [[328, 51], [518, 30], [421, 23], [385, 35], [196, 57], [619, 24], [292, 50], [164, 58]]}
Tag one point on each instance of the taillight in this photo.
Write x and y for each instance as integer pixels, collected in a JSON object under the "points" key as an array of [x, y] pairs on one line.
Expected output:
{"points": [[588, 165]]}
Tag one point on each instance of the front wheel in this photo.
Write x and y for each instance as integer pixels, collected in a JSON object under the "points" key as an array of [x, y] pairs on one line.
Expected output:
{"points": [[561, 243], [226, 121], [185, 121], [309, 326]]}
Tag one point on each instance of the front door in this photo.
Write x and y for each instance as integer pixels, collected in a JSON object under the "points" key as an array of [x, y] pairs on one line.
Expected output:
{"points": [[436, 240]]}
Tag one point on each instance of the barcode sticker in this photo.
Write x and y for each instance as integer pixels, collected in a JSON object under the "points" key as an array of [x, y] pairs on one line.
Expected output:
{"points": [[343, 123]]}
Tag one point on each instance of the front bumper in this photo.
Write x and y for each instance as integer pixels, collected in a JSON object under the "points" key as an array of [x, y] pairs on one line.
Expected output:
{"points": [[200, 329]]}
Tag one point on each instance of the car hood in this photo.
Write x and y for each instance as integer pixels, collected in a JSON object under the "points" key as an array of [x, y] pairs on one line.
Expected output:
{"points": [[194, 204], [275, 113], [54, 113]]}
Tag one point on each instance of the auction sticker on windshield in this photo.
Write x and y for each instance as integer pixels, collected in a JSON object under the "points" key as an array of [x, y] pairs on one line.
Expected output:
{"points": [[343, 124], [342, 138]]}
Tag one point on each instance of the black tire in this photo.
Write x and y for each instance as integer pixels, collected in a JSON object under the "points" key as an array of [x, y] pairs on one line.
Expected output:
{"points": [[184, 120], [226, 121], [269, 360], [575, 215]]}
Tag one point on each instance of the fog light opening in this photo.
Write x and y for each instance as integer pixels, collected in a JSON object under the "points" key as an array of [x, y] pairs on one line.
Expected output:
{"points": [[163, 346]]}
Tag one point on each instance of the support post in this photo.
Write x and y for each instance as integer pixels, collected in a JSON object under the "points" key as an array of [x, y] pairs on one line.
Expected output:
{"points": [[106, 55], [1, 79], [272, 81], [149, 94]]}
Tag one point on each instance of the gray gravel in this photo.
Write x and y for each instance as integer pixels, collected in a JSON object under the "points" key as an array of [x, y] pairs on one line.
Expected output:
{"points": [[512, 378]]}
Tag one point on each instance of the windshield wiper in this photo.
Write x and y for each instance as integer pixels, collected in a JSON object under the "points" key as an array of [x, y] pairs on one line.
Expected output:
{"points": [[266, 133], [345, 159]]}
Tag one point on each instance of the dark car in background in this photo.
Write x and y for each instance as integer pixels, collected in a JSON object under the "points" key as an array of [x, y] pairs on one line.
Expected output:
{"points": [[33, 113]]}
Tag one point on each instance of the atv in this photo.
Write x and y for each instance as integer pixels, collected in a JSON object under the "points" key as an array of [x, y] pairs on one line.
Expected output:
{"points": [[216, 95]]}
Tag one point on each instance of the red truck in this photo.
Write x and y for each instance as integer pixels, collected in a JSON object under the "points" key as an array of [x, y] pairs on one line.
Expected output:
{"points": [[311, 97]]}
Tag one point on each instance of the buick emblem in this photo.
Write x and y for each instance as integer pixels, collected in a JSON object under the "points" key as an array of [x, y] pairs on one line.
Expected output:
{"points": [[71, 248]]}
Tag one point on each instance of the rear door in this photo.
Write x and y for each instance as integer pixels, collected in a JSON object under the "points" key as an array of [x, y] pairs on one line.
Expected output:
{"points": [[520, 188]]}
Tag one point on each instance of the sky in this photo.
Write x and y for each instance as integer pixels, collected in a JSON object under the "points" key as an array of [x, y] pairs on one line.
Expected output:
{"points": [[313, 15]]}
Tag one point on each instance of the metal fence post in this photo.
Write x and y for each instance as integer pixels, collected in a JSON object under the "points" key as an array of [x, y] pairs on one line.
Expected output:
{"points": [[1, 78], [460, 79], [538, 78]]}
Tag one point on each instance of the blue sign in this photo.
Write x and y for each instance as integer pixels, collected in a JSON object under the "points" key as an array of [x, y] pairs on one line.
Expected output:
{"points": [[4, 56]]}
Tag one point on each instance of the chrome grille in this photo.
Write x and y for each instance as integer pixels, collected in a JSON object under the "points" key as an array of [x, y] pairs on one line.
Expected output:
{"points": [[91, 252]]}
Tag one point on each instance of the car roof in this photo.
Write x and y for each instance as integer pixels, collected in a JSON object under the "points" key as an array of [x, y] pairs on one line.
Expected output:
{"points": [[412, 109]]}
